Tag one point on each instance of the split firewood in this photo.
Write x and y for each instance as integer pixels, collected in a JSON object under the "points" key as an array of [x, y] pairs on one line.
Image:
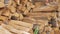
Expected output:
{"points": [[12, 9], [30, 5], [41, 28], [2, 10], [26, 12], [15, 14], [3, 18], [29, 20], [24, 2], [39, 4], [31, 31], [23, 8], [20, 7], [42, 14], [6, 12], [48, 28], [20, 17], [13, 4], [46, 8], [20, 27], [11, 29], [56, 30], [18, 2], [29, 25], [3, 30], [42, 22]]}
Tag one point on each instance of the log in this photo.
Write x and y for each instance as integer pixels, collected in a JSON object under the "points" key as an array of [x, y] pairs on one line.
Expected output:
{"points": [[39, 4], [20, 27], [12, 9], [21, 17], [18, 1], [6, 12], [11, 29], [29, 20], [3, 30], [15, 14], [13, 4], [29, 25], [46, 8], [3, 18], [1, 11], [42, 15]]}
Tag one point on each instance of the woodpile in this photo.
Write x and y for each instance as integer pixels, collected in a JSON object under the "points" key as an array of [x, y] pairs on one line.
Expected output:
{"points": [[29, 16]]}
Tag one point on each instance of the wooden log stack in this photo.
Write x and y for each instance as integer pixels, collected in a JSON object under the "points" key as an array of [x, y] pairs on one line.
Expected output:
{"points": [[23, 16]]}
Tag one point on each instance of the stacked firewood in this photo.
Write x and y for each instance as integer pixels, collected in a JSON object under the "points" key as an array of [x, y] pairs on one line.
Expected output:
{"points": [[29, 17]]}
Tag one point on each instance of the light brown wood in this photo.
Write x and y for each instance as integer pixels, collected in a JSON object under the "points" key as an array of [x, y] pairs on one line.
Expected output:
{"points": [[20, 27], [29, 25], [46, 8], [12, 9], [11, 29], [18, 1], [6, 12], [20, 16], [2, 18], [3, 30], [2, 5]]}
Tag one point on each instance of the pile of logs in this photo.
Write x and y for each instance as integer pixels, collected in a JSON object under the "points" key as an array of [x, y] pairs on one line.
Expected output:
{"points": [[29, 17]]}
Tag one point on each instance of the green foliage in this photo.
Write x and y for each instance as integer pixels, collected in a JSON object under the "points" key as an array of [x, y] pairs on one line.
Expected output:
{"points": [[36, 30]]}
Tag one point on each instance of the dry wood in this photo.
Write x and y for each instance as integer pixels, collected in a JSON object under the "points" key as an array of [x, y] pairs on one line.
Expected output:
{"points": [[2, 5], [20, 27], [1, 11], [15, 14], [29, 20], [18, 1], [12, 9], [6, 12], [19, 7], [39, 4], [46, 8], [29, 25], [11, 29], [2, 18], [19, 16], [56, 31], [30, 5], [3, 30], [13, 4]]}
